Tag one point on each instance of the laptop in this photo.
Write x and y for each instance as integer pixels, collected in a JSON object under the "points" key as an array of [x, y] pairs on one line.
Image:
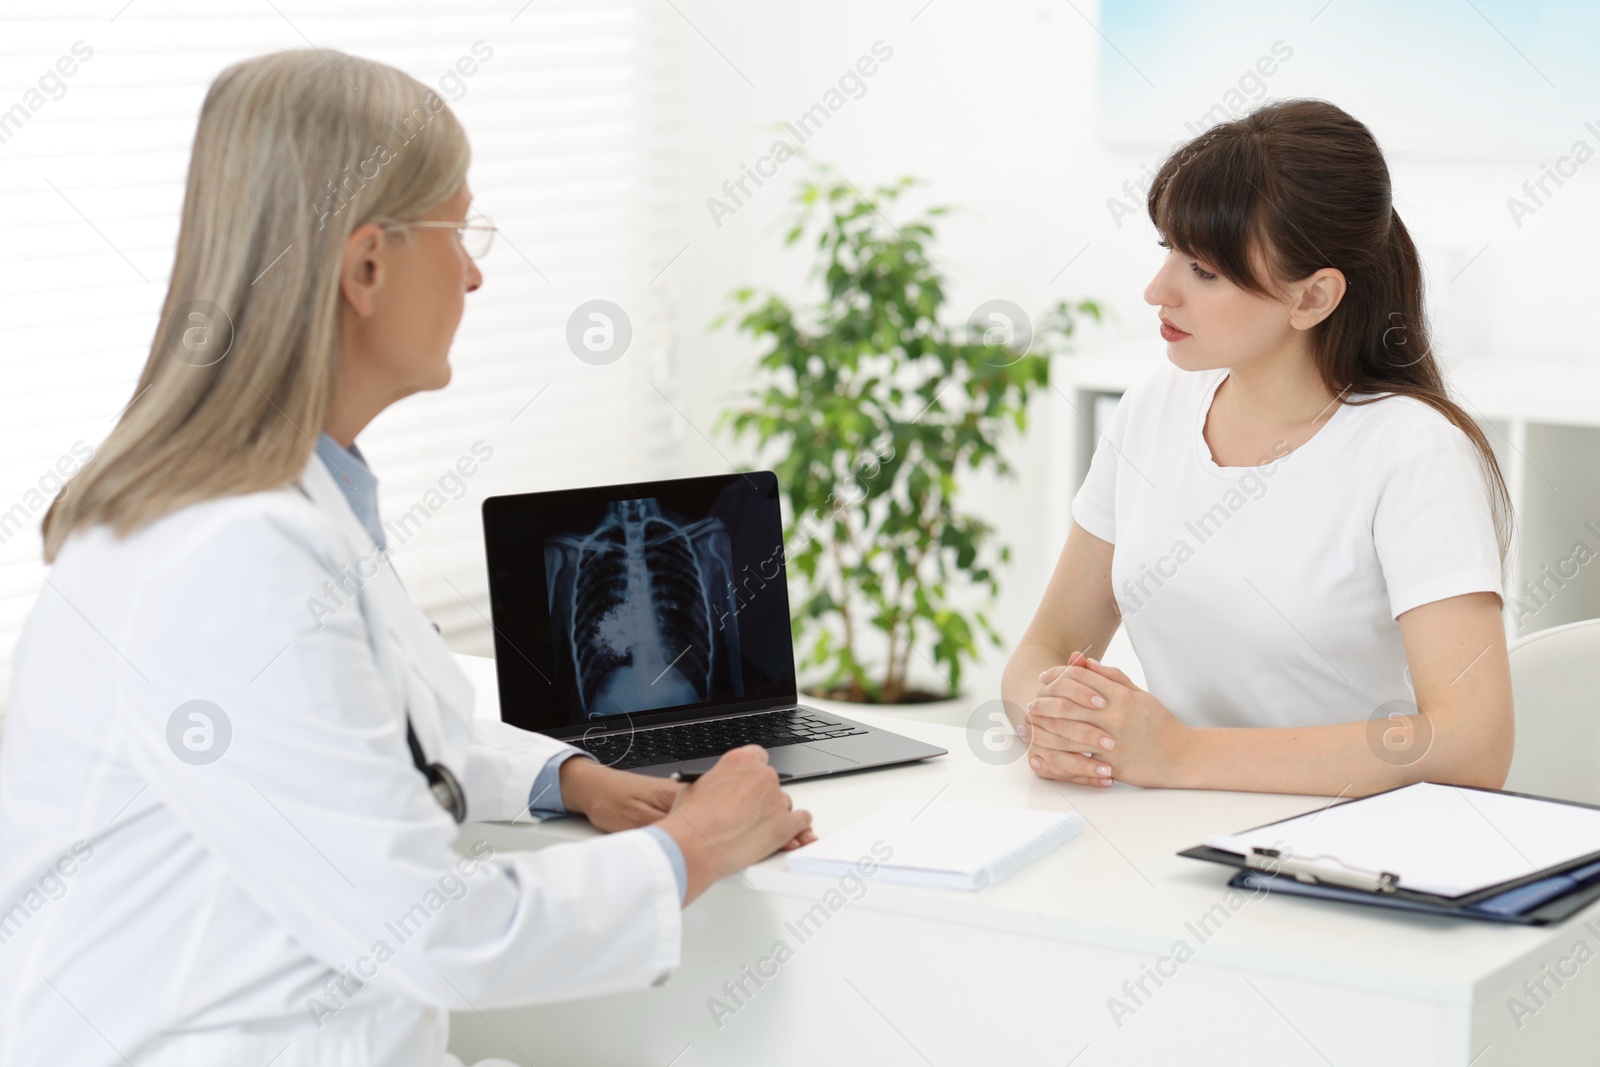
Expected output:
{"points": [[648, 624]]}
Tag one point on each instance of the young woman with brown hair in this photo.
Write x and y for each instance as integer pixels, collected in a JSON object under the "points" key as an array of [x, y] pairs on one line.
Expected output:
{"points": [[1304, 535]]}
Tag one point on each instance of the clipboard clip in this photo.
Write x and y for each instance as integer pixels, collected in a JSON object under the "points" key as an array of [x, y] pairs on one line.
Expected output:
{"points": [[1323, 869]]}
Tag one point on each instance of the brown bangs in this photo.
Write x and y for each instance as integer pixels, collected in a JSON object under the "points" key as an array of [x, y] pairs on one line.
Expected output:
{"points": [[1207, 202]]}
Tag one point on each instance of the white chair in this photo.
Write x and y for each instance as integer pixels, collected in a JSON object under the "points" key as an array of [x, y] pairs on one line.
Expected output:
{"points": [[1555, 682]]}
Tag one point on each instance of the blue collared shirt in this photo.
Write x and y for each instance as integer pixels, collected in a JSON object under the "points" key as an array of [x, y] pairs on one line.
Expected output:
{"points": [[360, 487]]}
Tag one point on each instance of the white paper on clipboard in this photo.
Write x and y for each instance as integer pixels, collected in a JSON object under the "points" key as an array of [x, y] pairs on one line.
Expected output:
{"points": [[1437, 838]]}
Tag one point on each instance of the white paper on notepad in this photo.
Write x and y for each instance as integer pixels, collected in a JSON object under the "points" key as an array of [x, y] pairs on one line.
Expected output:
{"points": [[972, 842], [1438, 838]]}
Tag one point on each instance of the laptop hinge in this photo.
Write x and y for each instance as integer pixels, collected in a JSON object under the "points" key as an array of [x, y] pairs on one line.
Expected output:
{"points": [[610, 729]]}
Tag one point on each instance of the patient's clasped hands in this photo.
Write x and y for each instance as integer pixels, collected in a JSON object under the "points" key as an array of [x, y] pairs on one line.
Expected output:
{"points": [[1088, 707]]}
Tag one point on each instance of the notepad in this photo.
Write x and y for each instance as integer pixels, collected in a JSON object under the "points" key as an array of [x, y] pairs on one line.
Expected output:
{"points": [[939, 845], [1438, 839]]}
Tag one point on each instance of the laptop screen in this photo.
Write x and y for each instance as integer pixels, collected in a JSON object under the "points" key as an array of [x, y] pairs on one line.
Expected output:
{"points": [[639, 603]]}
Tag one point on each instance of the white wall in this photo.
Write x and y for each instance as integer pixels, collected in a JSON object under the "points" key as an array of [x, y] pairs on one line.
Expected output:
{"points": [[995, 104]]}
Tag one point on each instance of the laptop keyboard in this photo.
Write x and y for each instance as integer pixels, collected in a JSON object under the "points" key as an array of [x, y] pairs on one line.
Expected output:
{"points": [[695, 740]]}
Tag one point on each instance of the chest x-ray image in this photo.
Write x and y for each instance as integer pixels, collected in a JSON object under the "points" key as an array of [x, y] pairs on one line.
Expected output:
{"points": [[642, 608]]}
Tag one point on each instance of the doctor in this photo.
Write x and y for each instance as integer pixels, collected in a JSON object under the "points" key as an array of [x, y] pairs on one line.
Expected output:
{"points": [[216, 845]]}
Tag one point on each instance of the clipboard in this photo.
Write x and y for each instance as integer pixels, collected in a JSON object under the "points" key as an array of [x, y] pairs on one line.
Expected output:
{"points": [[1327, 877], [1552, 911]]}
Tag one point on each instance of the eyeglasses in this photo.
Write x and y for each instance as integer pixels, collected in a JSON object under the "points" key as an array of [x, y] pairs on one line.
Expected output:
{"points": [[476, 237]]}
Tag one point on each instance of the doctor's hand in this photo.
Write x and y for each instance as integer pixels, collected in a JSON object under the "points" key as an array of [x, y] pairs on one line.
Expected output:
{"points": [[733, 816], [1086, 706], [612, 799]]}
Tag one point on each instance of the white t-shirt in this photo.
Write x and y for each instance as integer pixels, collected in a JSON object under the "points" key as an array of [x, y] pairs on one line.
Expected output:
{"points": [[1267, 595]]}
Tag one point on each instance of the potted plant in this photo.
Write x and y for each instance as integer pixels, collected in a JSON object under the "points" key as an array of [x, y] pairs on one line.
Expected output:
{"points": [[872, 407]]}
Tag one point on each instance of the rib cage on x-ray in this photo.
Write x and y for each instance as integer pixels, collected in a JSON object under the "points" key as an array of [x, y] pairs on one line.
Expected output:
{"points": [[644, 602]]}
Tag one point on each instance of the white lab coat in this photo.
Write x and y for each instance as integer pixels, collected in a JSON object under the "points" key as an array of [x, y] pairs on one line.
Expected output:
{"points": [[224, 913]]}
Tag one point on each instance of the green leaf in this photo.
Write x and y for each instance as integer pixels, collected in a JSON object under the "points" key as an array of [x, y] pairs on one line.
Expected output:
{"points": [[872, 407]]}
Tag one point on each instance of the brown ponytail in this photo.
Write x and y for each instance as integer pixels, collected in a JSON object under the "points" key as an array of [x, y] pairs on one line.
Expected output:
{"points": [[1304, 186]]}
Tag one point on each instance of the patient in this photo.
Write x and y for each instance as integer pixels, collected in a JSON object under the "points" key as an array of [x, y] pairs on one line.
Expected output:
{"points": [[1303, 534]]}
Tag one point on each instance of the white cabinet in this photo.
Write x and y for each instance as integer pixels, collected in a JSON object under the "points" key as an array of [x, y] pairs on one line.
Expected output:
{"points": [[1542, 417]]}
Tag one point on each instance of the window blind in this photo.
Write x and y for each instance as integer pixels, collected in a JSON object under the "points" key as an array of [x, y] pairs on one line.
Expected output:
{"points": [[569, 109]]}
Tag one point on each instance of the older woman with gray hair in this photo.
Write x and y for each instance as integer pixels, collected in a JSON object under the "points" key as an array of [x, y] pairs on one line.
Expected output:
{"points": [[227, 826]]}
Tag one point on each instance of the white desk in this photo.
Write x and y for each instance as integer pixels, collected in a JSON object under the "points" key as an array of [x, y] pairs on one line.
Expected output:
{"points": [[1024, 973]]}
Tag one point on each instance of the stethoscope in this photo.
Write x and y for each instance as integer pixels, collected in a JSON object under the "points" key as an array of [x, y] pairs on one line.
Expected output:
{"points": [[442, 781]]}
